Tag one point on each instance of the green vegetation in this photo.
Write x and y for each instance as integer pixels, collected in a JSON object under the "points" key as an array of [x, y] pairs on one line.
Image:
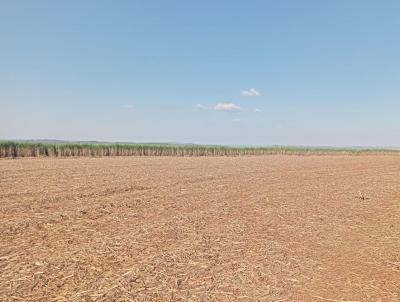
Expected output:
{"points": [[37, 149]]}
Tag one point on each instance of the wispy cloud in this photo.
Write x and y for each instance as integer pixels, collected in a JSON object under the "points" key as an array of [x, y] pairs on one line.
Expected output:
{"points": [[219, 107], [251, 92], [201, 107], [257, 110], [226, 107]]}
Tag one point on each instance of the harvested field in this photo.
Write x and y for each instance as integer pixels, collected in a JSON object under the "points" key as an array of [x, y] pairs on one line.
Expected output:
{"points": [[265, 228]]}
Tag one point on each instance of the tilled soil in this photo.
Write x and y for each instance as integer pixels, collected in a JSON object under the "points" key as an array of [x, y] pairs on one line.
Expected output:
{"points": [[265, 228]]}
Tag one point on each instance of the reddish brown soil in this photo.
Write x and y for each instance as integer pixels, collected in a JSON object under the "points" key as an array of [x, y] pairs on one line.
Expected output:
{"points": [[268, 228]]}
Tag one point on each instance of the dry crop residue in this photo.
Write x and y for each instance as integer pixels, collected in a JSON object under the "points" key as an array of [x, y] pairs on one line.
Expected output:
{"points": [[267, 228]]}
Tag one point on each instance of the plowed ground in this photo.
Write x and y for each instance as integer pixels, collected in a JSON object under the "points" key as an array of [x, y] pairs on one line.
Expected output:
{"points": [[267, 228]]}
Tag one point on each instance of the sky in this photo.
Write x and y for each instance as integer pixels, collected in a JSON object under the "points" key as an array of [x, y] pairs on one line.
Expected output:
{"points": [[317, 73]]}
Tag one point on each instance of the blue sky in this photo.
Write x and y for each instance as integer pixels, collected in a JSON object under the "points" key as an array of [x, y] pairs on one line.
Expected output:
{"points": [[219, 72]]}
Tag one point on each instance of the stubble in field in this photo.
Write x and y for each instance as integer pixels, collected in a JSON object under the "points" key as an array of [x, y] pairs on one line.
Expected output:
{"points": [[267, 228]]}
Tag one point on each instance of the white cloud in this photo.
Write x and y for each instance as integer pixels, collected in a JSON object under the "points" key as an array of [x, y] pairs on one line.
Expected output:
{"points": [[257, 110], [219, 107], [201, 107], [251, 92], [226, 107]]}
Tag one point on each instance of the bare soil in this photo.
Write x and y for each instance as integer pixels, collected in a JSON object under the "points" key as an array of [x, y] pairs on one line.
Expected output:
{"points": [[265, 228]]}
